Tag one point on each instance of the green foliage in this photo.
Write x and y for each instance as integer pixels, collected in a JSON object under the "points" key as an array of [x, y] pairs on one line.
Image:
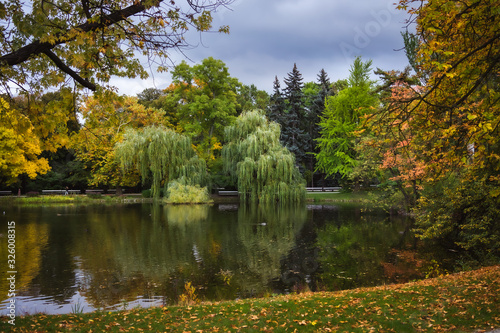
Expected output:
{"points": [[162, 154], [315, 94], [42, 45], [65, 171], [294, 133], [147, 193], [179, 193], [411, 49], [148, 96], [265, 171], [276, 107], [251, 98], [206, 102], [462, 214], [342, 119]]}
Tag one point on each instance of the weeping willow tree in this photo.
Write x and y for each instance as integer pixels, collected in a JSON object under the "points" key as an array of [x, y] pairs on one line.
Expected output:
{"points": [[162, 154], [264, 170]]}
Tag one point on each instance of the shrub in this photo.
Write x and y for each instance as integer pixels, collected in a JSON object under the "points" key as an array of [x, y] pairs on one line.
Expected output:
{"points": [[463, 214], [178, 193], [147, 193]]}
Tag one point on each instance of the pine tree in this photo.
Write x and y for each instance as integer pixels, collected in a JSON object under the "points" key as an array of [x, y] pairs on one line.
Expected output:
{"points": [[293, 134], [315, 108], [276, 107]]}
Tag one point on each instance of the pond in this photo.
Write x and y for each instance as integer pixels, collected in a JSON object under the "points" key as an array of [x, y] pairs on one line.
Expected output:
{"points": [[98, 257]]}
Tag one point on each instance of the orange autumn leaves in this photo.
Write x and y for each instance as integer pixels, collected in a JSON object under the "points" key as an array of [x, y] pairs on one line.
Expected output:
{"points": [[453, 117], [459, 302], [445, 118]]}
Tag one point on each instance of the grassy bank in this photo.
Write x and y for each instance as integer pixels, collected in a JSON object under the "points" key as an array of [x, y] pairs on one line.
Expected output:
{"points": [[361, 196], [72, 199], [464, 302]]}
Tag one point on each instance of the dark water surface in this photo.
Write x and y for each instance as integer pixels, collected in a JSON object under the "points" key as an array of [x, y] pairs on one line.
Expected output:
{"points": [[84, 258]]}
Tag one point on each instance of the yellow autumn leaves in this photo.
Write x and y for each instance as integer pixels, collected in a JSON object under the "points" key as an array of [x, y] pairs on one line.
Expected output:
{"points": [[19, 146]]}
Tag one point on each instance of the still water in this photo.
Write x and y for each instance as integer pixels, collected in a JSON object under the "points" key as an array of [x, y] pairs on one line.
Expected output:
{"points": [[86, 258]]}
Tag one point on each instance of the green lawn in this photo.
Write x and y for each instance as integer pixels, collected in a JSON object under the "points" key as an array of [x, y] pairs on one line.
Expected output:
{"points": [[339, 196], [464, 302], [71, 199], [361, 196]]}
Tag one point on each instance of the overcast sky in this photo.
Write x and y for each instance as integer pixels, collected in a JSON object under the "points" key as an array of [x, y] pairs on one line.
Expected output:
{"points": [[268, 36]]}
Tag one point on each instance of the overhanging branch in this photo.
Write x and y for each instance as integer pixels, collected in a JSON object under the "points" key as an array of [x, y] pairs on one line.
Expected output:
{"points": [[37, 47], [62, 66]]}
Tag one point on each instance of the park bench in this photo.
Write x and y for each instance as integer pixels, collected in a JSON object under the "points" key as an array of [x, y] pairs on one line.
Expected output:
{"points": [[228, 193], [5, 192], [323, 189], [93, 191], [60, 191]]}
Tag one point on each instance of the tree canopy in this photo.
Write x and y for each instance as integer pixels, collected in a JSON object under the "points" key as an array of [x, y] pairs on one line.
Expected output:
{"points": [[264, 169], [206, 101], [19, 147], [161, 154], [342, 119], [105, 122], [440, 126], [43, 43]]}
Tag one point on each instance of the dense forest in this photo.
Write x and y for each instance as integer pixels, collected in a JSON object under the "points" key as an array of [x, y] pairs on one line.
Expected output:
{"points": [[427, 136]]}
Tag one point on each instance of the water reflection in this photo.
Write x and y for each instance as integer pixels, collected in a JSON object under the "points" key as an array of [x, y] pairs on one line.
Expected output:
{"points": [[98, 257], [353, 249], [30, 245]]}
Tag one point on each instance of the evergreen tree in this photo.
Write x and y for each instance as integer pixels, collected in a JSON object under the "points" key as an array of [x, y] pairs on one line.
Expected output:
{"points": [[149, 96], [276, 107], [315, 107], [293, 134]]}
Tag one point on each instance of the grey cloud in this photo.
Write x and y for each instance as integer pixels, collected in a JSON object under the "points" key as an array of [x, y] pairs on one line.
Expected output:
{"points": [[267, 37]]}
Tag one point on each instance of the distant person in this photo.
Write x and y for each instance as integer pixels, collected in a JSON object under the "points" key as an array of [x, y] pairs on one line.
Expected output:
{"points": [[66, 192]]}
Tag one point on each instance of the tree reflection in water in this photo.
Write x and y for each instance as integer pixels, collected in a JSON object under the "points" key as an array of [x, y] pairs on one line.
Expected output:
{"points": [[122, 254]]}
